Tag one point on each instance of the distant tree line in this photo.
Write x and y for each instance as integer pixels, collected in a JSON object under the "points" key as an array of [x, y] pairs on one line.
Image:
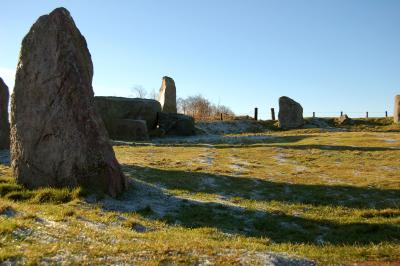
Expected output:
{"points": [[197, 106], [202, 109]]}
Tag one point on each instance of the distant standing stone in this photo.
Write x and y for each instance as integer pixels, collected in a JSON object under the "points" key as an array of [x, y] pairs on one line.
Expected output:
{"points": [[345, 120], [4, 124], [396, 114], [167, 96], [290, 113], [176, 124], [57, 137], [114, 109]]}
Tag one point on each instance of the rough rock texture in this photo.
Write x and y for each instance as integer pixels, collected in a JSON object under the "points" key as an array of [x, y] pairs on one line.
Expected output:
{"points": [[318, 122], [57, 137], [129, 129], [396, 114], [167, 96], [345, 120], [113, 109], [290, 113], [4, 124], [176, 124]]}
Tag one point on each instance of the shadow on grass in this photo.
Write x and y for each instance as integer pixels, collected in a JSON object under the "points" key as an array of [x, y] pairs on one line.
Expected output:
{"points": [[276, 226], [255, 141], [335, 147], [281, 228], [218, 141], [264, 190]]}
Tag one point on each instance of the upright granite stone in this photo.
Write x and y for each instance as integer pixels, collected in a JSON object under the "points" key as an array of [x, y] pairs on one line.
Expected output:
{"points": [[345, 120], [4, 124], [130, 129], [290, 113], [176, 124], [116, 111], [167, 96], [57, 137], [396, 114]]}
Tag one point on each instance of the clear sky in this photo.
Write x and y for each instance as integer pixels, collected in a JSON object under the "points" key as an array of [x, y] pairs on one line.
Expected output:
{"points": [[329, 55]]}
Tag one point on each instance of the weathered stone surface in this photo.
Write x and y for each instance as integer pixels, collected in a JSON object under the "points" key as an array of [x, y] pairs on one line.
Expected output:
{"points": [[290, 113], [167, 96], [57, 137], [345, 120], [4, 124], [113, 109], [318, 122], [396, 114], [176, 124], [129, 129]]}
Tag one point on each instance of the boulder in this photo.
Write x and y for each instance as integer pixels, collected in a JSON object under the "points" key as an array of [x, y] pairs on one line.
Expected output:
{"points": [[396, 114], [113, 109], [345, 120], [57, 137], [129, 129], [318, 122], [176, 124], [290, 113], [4, 124], [167, 96]]}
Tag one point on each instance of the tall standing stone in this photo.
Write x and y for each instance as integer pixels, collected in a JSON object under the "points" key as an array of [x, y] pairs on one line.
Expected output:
{"points": [[57, 138], [396, 114], [167, 96], [290, 113], [4, 124]]}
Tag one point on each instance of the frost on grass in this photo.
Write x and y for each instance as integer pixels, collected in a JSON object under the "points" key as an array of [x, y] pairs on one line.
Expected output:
{"points": [[276, 196], [143, 196]]}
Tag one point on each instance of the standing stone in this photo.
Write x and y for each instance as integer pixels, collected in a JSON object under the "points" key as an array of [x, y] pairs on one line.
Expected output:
{"points": [[396, 114], [130, 129], [345, 120], [290, 113], [167, 96], [57, 138], [4, 124], [176, 124], [115, 110]]}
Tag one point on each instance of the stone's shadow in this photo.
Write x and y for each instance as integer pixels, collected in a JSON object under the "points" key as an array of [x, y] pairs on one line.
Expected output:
{"points": [[264, 190], [217, 141], [232, 219], [255, 141], [335, 147], [229, 139], [5, 157]]}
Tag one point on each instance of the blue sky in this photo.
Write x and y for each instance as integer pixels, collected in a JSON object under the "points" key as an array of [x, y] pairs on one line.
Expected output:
{"points": [[329, 55]]}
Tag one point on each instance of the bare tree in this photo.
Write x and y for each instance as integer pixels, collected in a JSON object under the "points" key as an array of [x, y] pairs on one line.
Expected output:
{"points": [[154, 95], [202, 109], [182, 105], [139, 91]]}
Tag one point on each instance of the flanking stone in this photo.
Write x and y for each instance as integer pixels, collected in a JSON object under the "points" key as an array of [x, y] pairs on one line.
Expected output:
{"points": [[113, 109], [57, 137], [345, 120], [167, 96], [176, 124], [290, 113], [129, 129], [4, 124], [396, 114]]}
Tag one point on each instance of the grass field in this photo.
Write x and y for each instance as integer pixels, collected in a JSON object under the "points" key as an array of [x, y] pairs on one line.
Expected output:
{"points": [[332, 197]]}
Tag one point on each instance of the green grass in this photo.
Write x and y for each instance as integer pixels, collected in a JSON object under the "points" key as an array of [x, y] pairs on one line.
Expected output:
{"points": [[333, 197]]}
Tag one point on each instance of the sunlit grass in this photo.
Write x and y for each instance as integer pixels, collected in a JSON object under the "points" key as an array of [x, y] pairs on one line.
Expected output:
{"points": [[333, 197]]}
